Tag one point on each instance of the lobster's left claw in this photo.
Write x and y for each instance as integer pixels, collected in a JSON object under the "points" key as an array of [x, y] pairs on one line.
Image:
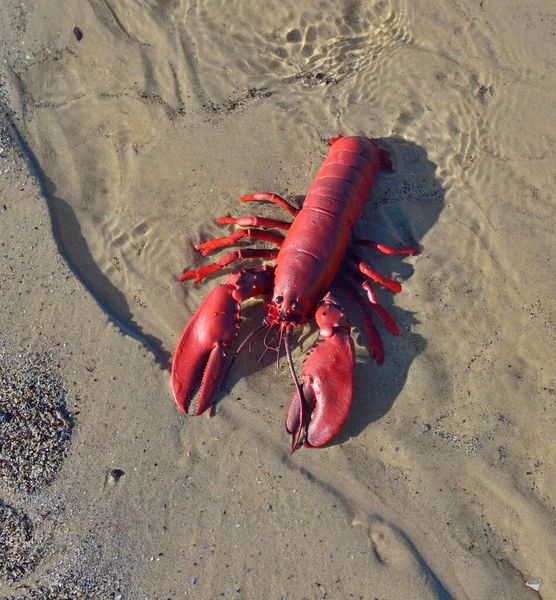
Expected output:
{"points": [[200, 356], [201, 352], [327, 380]]}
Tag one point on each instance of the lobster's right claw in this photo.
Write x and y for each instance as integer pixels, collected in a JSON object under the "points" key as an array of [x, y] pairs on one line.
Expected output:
{"points": [[200, 354], [327, 380]]}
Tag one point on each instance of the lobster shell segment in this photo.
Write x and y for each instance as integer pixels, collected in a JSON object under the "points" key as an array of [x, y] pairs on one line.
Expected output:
{"points": [[327, 380]]}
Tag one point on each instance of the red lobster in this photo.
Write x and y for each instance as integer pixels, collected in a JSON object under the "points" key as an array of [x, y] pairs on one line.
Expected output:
{"points": [[295, 291]]}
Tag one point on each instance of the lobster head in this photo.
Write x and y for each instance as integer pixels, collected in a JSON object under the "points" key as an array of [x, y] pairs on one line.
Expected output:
{"points": [[286, 309]]}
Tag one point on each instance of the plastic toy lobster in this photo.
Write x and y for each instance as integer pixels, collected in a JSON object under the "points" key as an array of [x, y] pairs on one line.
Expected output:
{"points": [[295, 290]]}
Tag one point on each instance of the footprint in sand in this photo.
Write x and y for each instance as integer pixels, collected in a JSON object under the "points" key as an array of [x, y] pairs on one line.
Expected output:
{"points": [[381, 547], [394, 550]]}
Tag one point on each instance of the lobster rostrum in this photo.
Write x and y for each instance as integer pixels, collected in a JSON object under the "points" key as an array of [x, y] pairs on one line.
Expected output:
{"points": [[295, 290]]}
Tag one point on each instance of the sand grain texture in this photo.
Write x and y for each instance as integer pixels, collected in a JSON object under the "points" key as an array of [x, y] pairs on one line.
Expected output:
{"points": [[123, 139]]}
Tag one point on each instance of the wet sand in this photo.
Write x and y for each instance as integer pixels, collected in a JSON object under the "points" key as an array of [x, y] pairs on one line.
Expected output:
{"points": [[126, 128]]}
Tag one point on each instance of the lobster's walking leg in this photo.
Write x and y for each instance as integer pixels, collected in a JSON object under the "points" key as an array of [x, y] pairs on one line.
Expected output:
{"points": [[201, 352], [385, 249], [228, 259], [210, 245], [268, 197], [386, 317], [376, 349], [327, 380], [253, 222], [367, 270]]}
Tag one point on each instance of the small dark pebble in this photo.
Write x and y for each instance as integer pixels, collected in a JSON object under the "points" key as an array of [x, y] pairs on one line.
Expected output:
{"points": [[78, 33], [115, 475]]}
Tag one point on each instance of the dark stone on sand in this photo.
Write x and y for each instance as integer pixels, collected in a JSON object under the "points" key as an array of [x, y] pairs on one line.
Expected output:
{"points": [[116, 474]]}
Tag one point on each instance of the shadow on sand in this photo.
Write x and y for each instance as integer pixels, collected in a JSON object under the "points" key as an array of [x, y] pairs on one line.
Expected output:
{"points": [[73, 246]]}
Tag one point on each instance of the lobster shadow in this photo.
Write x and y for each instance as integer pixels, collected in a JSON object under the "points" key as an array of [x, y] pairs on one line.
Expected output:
{"points": [[404, 206], [405, 203], [73, 246]]}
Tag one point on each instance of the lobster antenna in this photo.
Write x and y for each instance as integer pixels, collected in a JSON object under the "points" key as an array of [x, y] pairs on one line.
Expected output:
{"points": [[278, 349], [267, 346], [295, 441], [248, 339]]}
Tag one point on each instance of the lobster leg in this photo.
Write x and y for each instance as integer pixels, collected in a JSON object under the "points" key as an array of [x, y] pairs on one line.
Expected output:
{"points": [[367, 270], [385, 249], [386, 317], [201, 352], [327, 380], [254, 222], [268, 197], [392, 285], [376, 350], [210, 245], [228, 259]]}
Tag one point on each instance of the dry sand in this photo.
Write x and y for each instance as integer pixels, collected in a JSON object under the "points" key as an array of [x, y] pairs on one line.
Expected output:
{"points": [[127, 126]]}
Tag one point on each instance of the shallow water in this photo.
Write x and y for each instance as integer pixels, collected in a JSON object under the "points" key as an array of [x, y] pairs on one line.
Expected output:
{"points": [[166, 112]]}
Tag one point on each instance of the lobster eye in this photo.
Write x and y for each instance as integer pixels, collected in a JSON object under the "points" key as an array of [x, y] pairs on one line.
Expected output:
{"points": [[278, 299], [295, 306]]}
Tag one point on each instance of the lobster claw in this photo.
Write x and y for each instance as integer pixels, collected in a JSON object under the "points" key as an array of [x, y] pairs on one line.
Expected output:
{"points": [[200, 356], [327, 380], [201, 351]]}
